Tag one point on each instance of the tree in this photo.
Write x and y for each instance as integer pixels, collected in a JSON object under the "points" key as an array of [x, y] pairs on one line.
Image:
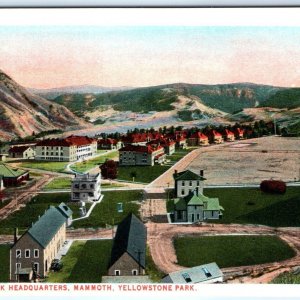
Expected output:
{"points": [[109, 169]]}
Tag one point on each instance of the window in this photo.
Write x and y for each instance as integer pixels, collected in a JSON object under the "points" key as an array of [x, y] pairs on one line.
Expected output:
{"points": [[18, 266], [191, 183], [198, 182], [36, 253], [198, 216], [36, 266], [83, 186], [212, 213], [91, 186], [134, 272], [183, 183], [206, 272], [27, 253], [179, 214], [18, 253], [91, 194], [76, 186], [186, 277], [182, 192], [117, 272]]}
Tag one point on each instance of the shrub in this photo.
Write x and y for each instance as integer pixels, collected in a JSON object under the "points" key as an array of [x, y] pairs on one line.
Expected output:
{"points": [[273, 186]]}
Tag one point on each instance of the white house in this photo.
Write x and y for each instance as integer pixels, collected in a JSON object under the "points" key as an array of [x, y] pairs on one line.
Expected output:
{"points": [[86, 187]]}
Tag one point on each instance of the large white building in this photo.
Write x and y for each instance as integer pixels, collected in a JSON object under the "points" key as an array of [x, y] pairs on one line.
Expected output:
{"points": [[71, 148], [86, 187]]}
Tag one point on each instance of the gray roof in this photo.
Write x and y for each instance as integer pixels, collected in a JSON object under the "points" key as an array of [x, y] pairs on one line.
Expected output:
{"points": [[131, 237], [199, 274], [47, 226], [125, 279], [65, 210]]}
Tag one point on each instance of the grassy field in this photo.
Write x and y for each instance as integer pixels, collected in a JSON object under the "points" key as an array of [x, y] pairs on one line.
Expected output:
{"points": [[59, 183], [144, 174], [250, 205], [179, 154], [92, 163], [287, 278], [231, 251], [86, 262], [106, 212], [53, 166], [4, 265], [36, 207]]}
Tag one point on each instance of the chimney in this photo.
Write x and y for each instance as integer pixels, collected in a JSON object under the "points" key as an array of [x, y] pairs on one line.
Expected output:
{"points": [[201, 173], [15, 235], [175, 172]]}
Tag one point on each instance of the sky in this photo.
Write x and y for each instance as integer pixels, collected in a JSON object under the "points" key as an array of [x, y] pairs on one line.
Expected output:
{"points": [[57, 56]]}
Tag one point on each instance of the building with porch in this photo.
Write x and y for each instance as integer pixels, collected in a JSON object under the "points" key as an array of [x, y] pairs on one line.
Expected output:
{"points": [[12, 177]]}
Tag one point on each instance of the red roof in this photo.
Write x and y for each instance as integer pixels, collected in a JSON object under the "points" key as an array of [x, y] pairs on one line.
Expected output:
{"points": [[239, 131], [72, 140], [107, 141], [216, 133], [143, 149], [199, 135], [18, 149], [228, 132]]}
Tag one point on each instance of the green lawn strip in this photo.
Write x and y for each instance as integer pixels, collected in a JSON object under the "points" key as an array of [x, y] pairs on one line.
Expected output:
{"points": [[92, 263], [69, 261], [59, 183], [4, 265], [179, 154], [53, 166], [91, 163], [287, 278], [231, 251], [24, 217], [144, 174], [250, 205], [112, 185], [106, 211], [151, 270]]}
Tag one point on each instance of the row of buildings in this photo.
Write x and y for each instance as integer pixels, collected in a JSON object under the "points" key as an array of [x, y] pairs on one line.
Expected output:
{"points": [[71, 148]]}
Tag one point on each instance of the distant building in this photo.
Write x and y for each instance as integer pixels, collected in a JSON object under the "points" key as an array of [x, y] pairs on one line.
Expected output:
{"points": [[24, 152], [187, 181], [128, 256], [215, 137], [109, 144], [239, 133], [12, 176], [181, 141], [71, 148], [86, 187], [228, 135], [140, 138], [198, 139], [209, 273], [166, 143], [137, 155], [39, 245]]}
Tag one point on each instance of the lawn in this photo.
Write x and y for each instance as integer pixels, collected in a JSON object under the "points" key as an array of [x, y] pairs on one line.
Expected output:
{"points": [[287, 278], [105, 213], [92, 163], [231, 251], [86, 262], [24, 217], [250, 205], [53, 166], [179, 154], [4, 265], [144, 174], [59, 183]]}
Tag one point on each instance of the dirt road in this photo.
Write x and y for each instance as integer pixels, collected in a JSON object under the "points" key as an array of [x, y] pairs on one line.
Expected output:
{"points": [[160, 239]]}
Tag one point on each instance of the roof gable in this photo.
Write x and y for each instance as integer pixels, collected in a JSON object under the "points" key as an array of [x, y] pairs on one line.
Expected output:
{"points": [[47, 226], [130, 237], [6, 171], [187, 175]]}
